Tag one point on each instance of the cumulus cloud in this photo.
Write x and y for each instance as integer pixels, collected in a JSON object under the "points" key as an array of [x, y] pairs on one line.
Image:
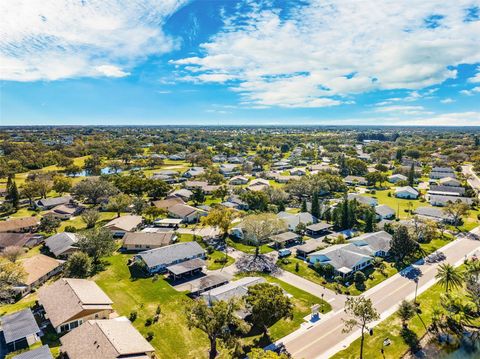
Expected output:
{"points": [[50, 39], [471, 92], [476, 78], [322, 53]]}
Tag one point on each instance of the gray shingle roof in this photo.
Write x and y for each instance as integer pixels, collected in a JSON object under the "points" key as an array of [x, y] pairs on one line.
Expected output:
{"points": [[19, 325], [40, 353], [169, 254], [61, 242], [51, 202]]}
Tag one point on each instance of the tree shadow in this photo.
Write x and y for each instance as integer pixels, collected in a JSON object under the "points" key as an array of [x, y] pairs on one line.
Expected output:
{"points": [[410, 338]]}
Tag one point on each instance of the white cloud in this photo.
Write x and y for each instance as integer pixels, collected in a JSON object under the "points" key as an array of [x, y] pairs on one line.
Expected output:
{"points": [[50, 39], [405, 110], [476, 78], [447, 100], [111, 71], [321, 53], [471, 92]]}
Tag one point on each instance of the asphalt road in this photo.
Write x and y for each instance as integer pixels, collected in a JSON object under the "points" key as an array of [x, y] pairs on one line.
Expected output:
{"points": [[473, 180], [326, 338]]}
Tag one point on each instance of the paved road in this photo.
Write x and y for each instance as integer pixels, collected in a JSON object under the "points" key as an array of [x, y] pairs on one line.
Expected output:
{"points": [[473, 179], [326, 338]]}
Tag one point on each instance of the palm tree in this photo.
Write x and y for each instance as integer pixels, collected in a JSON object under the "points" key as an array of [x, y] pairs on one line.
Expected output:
{"points": [[449, 277], [473, 269]]}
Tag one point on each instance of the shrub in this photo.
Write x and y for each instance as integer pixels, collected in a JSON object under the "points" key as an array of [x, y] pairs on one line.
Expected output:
{"points": [[210, 249], [133, 316], [297, 267], [148, 322], [70, 229], [150, 336]]}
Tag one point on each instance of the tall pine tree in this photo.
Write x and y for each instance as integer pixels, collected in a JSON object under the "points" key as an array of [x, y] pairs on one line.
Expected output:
{"points": [[411, 175], [315, 205], [304, 206], [12, 193]]}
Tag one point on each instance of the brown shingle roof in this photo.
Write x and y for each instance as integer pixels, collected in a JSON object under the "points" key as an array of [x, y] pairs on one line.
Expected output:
{"points": [[18, 224], [125, 223], [38, 266], [145, 238], [68, 297], [106, 339], [168, 202]]}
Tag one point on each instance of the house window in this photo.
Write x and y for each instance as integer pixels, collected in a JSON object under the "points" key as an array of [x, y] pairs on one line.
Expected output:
{"points": [[73, 325], [64, 328]]}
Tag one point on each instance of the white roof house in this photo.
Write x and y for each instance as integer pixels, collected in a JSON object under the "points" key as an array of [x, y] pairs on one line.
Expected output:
{"points": [[406, 192]]}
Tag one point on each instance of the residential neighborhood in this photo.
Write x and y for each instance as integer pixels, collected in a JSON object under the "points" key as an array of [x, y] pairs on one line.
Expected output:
{"points": [[303, 230]]}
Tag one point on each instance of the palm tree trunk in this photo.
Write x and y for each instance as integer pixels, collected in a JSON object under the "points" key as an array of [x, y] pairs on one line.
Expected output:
{"points": [[361, 344]]}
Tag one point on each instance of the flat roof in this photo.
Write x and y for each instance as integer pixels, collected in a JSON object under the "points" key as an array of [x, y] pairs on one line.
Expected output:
{"points": [[186, 266]]}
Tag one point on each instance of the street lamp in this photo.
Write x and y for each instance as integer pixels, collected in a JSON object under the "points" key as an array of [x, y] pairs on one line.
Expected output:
{"points": [[322, 302]]}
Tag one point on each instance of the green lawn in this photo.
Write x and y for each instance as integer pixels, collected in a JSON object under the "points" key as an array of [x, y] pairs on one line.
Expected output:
{"points": [[398, 204], [213, 260], [248, 248], [143, 296], [391, 328]]}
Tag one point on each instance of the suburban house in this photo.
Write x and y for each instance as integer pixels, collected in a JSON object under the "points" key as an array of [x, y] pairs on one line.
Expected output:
{"points": [[298, 172], [355, 255], [368, 201], [69, 302], [293, 220], [159, 259], [66, 211], [19, 225], [186, 213], [228, 169], [194, 172], [285, 239], [164, 223], [238, 180], [141, 241], [235, 202], [318, 229], [183, 193], [120, 225], [383, 211], [258, 184], [449, 181], [438, 200], [447, 190], [406, 192], [40, 353], [442, 172], [195, 184], [433, 213], [355, 180], [61, 245], [310, 246], [106, 339], [20, 330], [397, 178], [49, 203], [234, 289], [38, 269], [168, 202], [18, 240]]}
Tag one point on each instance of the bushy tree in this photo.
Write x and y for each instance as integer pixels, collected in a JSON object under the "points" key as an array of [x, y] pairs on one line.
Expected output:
{"points": [[92, 190], [406, 311], [49, 223], [61, 184], [90, 217], [402, 244], [218, 321], [119, 203], [267, 304], [97, 243], [78, 265]]}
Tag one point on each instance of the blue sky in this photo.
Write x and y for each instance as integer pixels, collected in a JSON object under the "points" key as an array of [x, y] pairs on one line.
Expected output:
{"points": [[231, 62]]}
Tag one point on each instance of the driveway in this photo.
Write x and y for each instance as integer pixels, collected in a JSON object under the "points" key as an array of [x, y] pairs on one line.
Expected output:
{"points": [[326, 338]]}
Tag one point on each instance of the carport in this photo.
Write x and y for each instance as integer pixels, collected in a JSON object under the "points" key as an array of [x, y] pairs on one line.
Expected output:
{"points": [[186, 268]]}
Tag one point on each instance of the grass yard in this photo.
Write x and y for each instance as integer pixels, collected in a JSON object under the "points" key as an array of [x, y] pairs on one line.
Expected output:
{"points": [[213, 261], [78, 223], [400, 205], [248, 248], [172, 338]]}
